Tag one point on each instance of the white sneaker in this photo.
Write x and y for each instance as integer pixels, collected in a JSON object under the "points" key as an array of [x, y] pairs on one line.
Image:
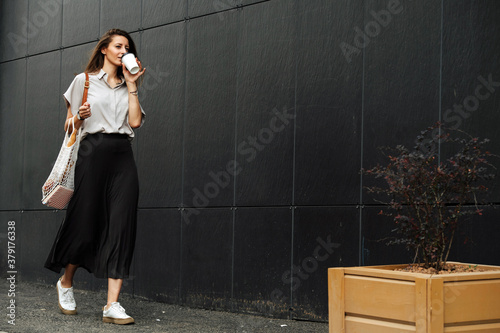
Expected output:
{"points": [[116, 315], [66, 299]]}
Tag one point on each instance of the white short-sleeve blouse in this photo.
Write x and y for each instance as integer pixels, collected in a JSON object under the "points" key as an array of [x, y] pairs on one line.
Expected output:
{"points": [[109, 106]]}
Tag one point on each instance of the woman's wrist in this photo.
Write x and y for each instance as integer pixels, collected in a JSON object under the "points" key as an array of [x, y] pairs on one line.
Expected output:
{"points": [[131, 86], [132, 89]]}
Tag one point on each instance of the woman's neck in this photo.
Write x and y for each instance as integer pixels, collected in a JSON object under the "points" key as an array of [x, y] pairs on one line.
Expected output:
{"points": [[112, 72]]}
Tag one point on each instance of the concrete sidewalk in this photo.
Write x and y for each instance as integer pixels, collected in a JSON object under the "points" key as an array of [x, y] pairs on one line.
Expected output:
{"points": [[37, 311]]}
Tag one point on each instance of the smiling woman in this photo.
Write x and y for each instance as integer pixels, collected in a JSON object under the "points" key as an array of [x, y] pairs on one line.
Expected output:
{"points": [[99, 230]]}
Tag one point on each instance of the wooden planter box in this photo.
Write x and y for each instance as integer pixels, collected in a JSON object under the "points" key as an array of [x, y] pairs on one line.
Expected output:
{"points": [[379, 300]]}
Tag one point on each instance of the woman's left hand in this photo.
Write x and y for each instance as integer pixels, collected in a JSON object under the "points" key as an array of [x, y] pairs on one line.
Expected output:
{"points": [[129, 77]]}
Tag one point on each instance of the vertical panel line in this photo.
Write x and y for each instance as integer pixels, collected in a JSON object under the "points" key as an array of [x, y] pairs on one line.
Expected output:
{"points": [[142, 11], [296, 46], [100, 10], [232, 303], [183, 174], [60, 87], [60, 64], [236, 101], [292, 252], [185, 106], [27, 29], [62, 25], [25, 109], [360, 245], [440, 79]]}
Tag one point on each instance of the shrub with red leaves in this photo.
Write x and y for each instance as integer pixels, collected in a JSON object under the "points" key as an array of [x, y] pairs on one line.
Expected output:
{"points": [[428, 196]]}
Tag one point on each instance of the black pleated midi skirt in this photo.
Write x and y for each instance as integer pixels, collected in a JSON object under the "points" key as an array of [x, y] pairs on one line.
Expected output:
{"points": [[99, 230]]}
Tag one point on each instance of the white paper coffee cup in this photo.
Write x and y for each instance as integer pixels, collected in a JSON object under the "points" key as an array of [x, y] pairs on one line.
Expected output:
{"points": [[129, 60]]}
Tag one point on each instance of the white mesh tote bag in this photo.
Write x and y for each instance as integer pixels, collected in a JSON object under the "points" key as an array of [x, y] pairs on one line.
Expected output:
{"points": [[58, 188]]}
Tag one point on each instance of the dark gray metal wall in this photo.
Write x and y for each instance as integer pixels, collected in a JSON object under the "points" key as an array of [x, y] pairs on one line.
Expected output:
{"points": [[289, 89]]}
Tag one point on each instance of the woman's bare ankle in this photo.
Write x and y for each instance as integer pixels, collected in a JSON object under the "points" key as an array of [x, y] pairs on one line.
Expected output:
{"points": [[65, 283]]}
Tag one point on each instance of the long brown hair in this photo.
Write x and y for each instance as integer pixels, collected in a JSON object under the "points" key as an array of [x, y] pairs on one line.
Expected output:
{"points": [[96, 61]]}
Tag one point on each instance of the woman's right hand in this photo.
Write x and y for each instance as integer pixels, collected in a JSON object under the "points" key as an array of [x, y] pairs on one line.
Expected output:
{"points": [[84, 110]]}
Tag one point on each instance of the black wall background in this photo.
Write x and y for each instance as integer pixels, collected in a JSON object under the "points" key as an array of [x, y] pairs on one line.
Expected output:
{"points": [[217, 74]]}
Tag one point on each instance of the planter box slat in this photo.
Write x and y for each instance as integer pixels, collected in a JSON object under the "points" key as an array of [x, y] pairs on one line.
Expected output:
{"points": [[336, 310], [357, 324], [380, 291], [374, 272], [473, 295], [435, 306], [482, 276], [481, 328], [421, 312]]}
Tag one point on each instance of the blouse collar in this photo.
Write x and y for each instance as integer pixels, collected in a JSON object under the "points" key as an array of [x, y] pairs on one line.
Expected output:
{"points": [[101, 75]]}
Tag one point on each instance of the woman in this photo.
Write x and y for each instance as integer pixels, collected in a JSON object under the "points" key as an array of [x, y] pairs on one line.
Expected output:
{"points": [[99, 230]]}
